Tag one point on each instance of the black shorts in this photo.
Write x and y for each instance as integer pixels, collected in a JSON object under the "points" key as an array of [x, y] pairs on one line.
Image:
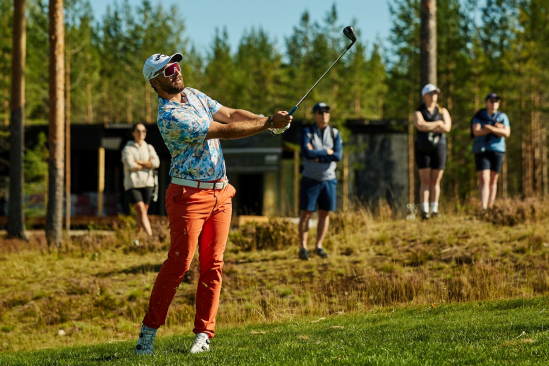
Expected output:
{"points": [[435, 159], [140, 195], [489, 160]]}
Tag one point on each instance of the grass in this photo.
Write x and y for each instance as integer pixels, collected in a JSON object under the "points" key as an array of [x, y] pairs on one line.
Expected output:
{"points": [[481, 333], [96, 288]]}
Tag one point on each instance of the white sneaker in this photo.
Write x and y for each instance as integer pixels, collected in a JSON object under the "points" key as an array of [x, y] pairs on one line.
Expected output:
{"points": [[145, 343], [201, 343]]}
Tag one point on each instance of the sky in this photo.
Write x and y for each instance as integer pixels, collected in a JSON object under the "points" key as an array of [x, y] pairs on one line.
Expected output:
{"points": [[277, 17]]}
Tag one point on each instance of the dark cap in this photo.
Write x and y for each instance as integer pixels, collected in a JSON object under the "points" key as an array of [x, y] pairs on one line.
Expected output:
{"points": [[319, 106], [492, 96]]}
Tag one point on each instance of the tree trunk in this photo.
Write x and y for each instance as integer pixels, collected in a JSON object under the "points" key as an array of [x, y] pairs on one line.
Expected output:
{"points": [[523, 137], [428, 42], [54, 219], [68, 138], [89, 104], [411, 160], [148, 118], [16, 219], [534, 137]]}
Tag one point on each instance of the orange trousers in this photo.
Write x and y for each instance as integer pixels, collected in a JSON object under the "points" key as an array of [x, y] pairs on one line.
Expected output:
{"points": [[197, 217]]}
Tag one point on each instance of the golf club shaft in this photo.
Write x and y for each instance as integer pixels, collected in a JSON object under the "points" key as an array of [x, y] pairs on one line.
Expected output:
{"points": [[318, 81]]}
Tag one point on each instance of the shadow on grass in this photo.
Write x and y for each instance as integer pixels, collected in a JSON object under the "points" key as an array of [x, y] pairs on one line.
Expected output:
{"points": [[141, 269]]}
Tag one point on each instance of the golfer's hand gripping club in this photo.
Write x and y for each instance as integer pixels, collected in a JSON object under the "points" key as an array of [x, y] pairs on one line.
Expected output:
{"points": [[278, 131]]}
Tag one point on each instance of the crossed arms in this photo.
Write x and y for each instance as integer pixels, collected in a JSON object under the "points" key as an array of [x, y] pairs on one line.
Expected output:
{"points": [[438, 127]]}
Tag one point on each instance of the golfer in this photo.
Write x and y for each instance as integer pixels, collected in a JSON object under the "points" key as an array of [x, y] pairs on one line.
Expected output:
{"points": [[198, 200], [490, 128], [321, 149], [140, 160], [431, 122]]}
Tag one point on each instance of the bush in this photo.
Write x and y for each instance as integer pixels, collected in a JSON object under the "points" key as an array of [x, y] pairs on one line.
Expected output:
{"points": [[276, 234], [512, 212]]}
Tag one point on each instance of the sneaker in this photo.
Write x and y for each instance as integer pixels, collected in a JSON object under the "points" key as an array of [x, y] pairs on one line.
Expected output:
{"points": [[434, 215], [320, 252], [424, 216], [201, 343], [136, 243], [303, 254], [145, 343]]}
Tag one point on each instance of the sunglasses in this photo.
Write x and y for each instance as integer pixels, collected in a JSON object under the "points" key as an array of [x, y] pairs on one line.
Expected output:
{"points": [[322, 112], [170, 70], [493, 100]]}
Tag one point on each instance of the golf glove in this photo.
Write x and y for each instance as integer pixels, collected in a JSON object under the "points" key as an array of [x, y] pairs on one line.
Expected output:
{"points": [[278, 131]]}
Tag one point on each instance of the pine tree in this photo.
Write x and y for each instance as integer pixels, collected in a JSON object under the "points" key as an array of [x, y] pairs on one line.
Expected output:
{"points": [[258, 66]]}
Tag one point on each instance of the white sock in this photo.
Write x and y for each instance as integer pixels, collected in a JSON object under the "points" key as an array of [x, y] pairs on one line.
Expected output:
{"points": [[149, 329], [434, 206], [425, 207]]}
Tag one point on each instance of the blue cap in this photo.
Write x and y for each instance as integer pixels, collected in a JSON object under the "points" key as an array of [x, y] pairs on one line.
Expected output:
{"points": [[492, 96], [319, 106]]}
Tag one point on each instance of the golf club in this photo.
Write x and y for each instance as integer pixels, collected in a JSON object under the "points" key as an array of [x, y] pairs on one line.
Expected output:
{"points": [[349, 33]]}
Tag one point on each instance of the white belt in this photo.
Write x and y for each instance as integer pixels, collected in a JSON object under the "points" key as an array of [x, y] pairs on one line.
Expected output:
{"points": [[200, 185]]}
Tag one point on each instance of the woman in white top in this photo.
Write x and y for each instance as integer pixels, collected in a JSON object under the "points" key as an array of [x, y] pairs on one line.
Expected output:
{"points": [[140, 160]]}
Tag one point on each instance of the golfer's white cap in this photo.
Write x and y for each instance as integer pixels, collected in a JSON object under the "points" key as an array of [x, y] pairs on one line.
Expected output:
{"points": [[156, 62], [429, 88]]}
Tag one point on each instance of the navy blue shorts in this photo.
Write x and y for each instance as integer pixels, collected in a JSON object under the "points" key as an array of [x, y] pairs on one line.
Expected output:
{"points": [[313, 192], [489, 160]]}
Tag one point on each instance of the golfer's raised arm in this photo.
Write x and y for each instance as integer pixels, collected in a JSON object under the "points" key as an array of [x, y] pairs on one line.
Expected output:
{"points": [[248, 123]]}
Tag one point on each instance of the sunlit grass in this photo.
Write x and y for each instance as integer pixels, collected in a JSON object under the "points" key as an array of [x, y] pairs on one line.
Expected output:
{"points": [[96, 288]]}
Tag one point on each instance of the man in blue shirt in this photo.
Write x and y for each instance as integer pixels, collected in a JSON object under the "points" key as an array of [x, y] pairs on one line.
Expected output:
{"points": [[321, 149], [489, 128], [199, 197]]}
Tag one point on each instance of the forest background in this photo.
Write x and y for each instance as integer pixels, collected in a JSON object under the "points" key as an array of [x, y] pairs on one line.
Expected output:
{"points": [[504, 50]]}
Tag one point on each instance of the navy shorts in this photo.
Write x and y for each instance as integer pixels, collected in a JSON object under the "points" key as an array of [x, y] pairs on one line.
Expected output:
{"points": [[140, 195], [435, 159], [489, 160], [321, 193]]}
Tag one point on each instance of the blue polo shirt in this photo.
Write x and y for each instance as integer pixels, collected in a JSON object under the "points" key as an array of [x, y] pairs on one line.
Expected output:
{"points": [[184, 127], [490, 142]]}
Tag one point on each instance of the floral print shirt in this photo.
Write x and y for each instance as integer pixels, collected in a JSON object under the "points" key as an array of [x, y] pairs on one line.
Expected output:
{"points": [[183, 127]]}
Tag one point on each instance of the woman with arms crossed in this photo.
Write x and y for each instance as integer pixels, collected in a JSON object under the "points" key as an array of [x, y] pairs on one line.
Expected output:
{"points": [[431, 122]]}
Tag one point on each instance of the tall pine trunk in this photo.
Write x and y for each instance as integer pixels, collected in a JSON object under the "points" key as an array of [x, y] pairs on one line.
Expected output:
{"points": [[68, 138], [16, 219], [89, 104], [428, 42], [54, 220]]}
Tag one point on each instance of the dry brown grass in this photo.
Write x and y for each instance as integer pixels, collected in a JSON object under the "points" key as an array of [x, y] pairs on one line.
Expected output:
{"points": [[96, 287]]}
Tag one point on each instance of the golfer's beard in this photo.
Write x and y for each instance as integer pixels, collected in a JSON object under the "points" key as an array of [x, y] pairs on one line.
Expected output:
{"points": [[170, 89]]}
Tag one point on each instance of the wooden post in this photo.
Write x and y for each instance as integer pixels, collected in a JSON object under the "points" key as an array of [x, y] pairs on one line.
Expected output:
{"points": [[296, 182], [100, 180]]}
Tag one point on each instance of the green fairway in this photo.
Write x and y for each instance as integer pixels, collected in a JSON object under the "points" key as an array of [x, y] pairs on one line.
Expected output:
{"points": [[498, 332]]}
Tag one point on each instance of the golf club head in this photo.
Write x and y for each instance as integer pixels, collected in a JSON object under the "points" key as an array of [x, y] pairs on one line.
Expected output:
{"points": [[349, 33]]}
